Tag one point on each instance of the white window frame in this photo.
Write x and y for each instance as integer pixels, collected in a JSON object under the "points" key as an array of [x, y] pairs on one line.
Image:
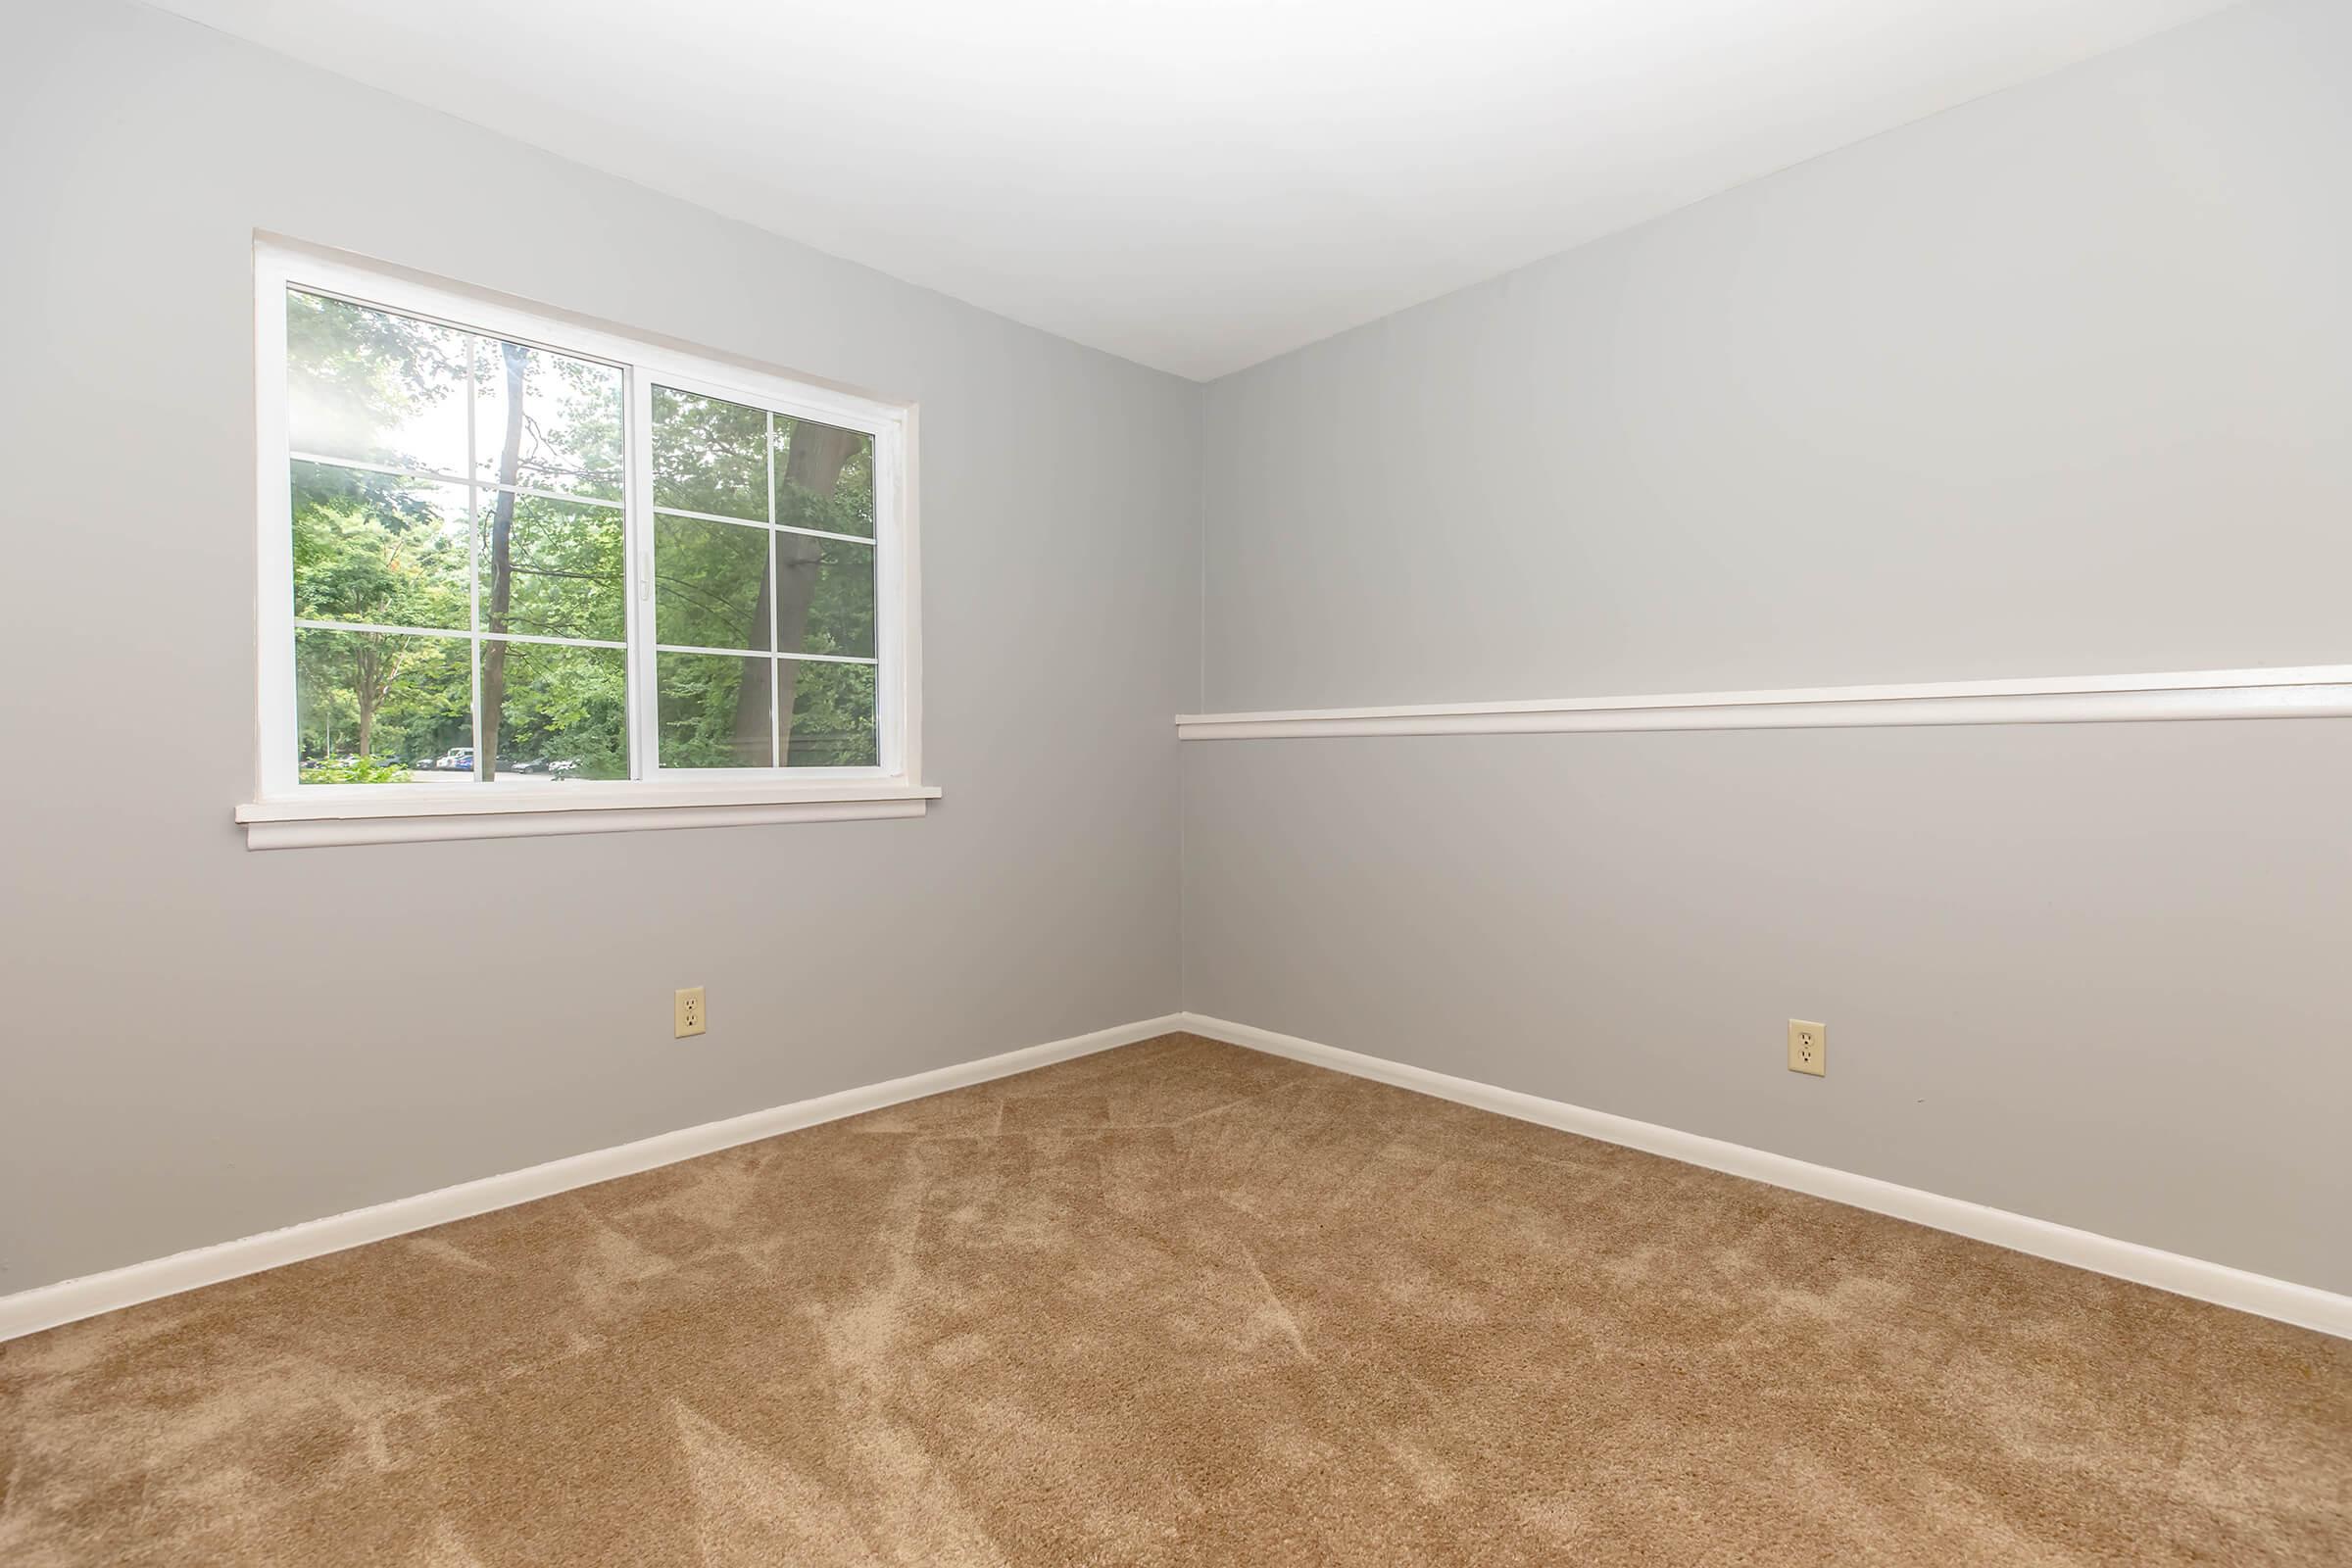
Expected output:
{"points": [[287, 814]]}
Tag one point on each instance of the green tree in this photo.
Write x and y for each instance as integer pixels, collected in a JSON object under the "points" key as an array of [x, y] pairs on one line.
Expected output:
{"points": [[368, 547], [376, 550], [391, 551], [552, 568], [714, 586]]}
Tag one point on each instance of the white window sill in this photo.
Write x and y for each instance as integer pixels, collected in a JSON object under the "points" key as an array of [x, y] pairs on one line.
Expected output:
{"points": [[360, 815]]}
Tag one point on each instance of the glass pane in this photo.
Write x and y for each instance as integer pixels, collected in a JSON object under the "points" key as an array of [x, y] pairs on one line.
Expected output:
{"points": [[824, 477], [832, 708], [563, 712], [709, 456], [565, 568], [714, 710], [374, 386], [826, 603], [378, 546], [710, 583], [562, 433], [382, 707]]}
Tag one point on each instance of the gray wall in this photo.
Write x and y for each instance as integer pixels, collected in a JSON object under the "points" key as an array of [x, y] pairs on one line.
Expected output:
{"points": [[201, 1042], [2059, 382]]}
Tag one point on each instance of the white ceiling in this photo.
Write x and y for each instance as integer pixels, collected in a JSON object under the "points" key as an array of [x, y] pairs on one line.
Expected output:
{"points": [[1197, 185]]}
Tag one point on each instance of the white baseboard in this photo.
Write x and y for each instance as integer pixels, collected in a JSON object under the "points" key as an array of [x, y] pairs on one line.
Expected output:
{"points": [[2302, 1304], [48, 1306]]}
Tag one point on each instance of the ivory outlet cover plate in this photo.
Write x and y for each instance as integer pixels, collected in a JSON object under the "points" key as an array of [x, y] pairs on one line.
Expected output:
{"points": [[1808, 1048], [690, 1011]]}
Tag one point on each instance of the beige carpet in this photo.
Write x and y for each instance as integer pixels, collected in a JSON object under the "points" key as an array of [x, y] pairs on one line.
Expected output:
{"points": [[1176, 1303]]}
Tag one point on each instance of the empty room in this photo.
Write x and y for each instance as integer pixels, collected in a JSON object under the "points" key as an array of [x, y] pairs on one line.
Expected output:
{"points": [[1177, 782]]}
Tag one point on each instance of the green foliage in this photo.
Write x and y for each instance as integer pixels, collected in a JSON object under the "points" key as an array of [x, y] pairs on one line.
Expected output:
{"points": [[569, 567], [388, 696], [384, 550], [700, 696], [709, 456], [847, 508], [569, 704], [356, 378], [714, 589], [355, 771], [832, 717], [375, 547], [708, 579], [569, 436]]}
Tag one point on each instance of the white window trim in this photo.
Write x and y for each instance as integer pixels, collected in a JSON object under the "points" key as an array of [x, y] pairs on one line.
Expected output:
{"points": [[287, 814]]}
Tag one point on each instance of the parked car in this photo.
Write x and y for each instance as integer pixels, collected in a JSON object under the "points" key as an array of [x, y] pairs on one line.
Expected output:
{"points": [[457, 759], [563, 770], [535, 765]]}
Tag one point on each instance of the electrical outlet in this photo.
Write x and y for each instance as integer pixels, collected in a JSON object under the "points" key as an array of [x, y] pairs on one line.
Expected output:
{"points": [[1809, 1047], [690, 1012]]}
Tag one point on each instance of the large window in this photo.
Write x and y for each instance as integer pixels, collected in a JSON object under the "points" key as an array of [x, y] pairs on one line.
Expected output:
{"points": [[553, 567]]}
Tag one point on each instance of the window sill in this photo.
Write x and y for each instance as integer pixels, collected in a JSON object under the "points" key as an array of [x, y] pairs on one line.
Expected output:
{"points": [[363, 818]]}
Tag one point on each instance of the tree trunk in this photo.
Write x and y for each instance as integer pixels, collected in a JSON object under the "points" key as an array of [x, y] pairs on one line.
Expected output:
{"points": [[818, 454], [368, 696], [502, 568], [753, 745], [797, 561]]}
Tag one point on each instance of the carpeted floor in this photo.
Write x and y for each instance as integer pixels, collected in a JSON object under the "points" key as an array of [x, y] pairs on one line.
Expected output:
{"points": [[1176, 1303]]}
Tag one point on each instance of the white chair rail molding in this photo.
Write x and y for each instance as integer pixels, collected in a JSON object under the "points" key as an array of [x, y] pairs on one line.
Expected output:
{"points": [[2315, 691]]}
